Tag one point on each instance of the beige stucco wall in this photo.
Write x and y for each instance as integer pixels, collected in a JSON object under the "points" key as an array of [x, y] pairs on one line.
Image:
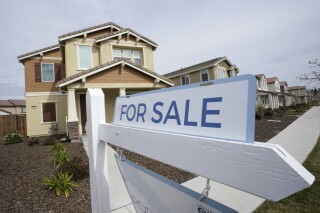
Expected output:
{"points": [[35, 127], [71, 55], [147, 52]]}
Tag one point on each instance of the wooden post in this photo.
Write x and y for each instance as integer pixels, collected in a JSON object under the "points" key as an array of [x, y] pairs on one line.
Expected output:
{"points": [[99, 183]]}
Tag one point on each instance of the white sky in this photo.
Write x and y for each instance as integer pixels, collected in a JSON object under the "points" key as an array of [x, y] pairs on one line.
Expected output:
{"points": [[276, 38]]}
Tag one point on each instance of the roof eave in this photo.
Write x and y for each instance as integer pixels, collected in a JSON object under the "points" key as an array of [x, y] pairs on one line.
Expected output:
{"points": [[36, 53]]}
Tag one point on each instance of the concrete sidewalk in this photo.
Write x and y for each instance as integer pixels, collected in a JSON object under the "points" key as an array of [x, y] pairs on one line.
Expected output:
{"points": [[298, 139]]}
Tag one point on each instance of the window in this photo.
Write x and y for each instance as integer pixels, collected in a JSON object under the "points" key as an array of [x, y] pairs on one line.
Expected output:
{"points": [[49, 112], [84, 52], [204, 75], [133, 55], [221, 73], [47, 72], [185, 79], [23, 109]]}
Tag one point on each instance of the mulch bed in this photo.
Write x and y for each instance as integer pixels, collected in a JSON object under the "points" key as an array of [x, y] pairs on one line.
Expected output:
{"points": [[22, 168]]}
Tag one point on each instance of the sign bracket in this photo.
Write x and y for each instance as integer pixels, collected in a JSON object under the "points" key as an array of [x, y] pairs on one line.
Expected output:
{"points": [[205, 191]]}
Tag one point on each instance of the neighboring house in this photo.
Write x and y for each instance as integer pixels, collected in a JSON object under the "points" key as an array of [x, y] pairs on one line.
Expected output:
{"points": [[209, 70], [273, 87], [285, 98], [300, 94], [262, 91], [107, 56], [12, 106]]}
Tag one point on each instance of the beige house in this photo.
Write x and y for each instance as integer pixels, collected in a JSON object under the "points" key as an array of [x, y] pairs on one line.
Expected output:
{"points": [[285, 98], [209, 70], [118, 60], [12, 107], [300, 94]]}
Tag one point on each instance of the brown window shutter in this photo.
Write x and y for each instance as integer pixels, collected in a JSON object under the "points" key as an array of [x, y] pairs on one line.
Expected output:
{"points": [[37, 69], [57, 70]]}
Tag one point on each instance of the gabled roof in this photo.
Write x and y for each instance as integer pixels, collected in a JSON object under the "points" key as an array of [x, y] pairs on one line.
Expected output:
{"points": [[126, 31], [196, 67], [108, 65], [88, 30], [12, 103], [296, 87], [260, 76], [283, 83], [272, 80], [38, 52]]}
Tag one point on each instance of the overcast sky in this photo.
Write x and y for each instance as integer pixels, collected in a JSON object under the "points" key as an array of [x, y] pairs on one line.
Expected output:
{"points": [[276, 38]]}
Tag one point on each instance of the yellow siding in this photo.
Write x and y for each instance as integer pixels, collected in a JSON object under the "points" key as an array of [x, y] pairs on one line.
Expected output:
{"points": [[35, 127]]}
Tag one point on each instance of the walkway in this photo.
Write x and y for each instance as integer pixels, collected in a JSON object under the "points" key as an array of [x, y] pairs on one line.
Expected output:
{"points": [[298, 139]]}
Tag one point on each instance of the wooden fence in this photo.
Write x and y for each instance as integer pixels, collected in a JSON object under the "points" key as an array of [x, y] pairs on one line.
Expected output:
{"points": [[13, 122]]}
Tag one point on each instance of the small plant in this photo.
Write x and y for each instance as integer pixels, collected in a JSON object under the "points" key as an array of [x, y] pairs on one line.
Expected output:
{"points": [[259, 111], [268, 113], [57, 147], [32, 141], [61, 183], [48, 141], [12, 137], [77, 167], [59, 158]]}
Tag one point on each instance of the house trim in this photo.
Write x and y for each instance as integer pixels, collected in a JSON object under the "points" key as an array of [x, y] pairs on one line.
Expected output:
{"points": [[34, 94], [109, 66], [37, 52]]}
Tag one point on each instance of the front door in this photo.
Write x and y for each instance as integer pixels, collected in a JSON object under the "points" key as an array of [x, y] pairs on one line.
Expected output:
{"points": [[83, 110]]}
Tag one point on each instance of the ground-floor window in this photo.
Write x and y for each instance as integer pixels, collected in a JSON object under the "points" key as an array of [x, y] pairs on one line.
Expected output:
{"points": [[49, 112]]}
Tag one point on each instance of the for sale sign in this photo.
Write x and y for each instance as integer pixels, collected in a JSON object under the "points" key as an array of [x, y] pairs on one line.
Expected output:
{"points": [[218, 109]]}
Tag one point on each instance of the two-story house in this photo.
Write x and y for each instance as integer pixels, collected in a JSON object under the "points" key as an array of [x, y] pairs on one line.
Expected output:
{"points": [[285, 98], [115, 59], [262, 91], [209, 70], [300, 94], [12, 107], [273, 87]]}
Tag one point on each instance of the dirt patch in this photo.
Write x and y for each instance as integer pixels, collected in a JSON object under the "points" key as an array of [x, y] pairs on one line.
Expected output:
{"points": [[22, 167]]}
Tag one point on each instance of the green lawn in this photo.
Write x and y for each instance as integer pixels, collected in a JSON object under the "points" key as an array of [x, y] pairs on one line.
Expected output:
{"points": [[307, 200]]}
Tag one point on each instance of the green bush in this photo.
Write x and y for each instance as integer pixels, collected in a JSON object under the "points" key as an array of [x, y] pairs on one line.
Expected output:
{"points": [[268, 113], [11, 138], [61, 183], [59, 155], [77, 167], [32, 141], [48, 141]]}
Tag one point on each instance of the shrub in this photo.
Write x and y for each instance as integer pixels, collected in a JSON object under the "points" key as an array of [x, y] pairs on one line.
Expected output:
{"points": [[48, 141], [268, 113], [11, 138], [32, 141], [59, 156], [57, 147], [77, 167], [258, 116], [61, 183]]}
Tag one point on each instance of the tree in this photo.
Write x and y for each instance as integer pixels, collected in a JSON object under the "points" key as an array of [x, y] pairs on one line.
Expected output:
{"points": [[314, 75]]}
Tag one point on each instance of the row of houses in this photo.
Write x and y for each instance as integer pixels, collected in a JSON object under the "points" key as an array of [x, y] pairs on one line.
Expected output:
{"points": [[120, 62]]}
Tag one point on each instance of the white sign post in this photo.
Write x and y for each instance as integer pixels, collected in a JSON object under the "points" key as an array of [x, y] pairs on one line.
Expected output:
{"points": [[205, 129]]}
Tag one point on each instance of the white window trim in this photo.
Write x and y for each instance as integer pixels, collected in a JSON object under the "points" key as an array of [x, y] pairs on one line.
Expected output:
{"points": [[188, 77], [56, 105], [207, 71], [54, 77], [218, 68], [78, 56], [141, 49]]}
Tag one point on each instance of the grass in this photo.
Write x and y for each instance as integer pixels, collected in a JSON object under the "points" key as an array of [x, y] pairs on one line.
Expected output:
{"points": [[307, 200]]}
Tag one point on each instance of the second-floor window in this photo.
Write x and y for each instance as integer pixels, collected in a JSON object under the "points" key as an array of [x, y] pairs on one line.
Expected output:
{"points": [[185, 79], [221, 73], [47, 72], [204, 75], [133, 55], [84, 56]]}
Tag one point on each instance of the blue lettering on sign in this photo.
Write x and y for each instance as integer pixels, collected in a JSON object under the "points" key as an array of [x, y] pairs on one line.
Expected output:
{"points": [[175, 116], [137, 113], [159, 113], [206, 112]]}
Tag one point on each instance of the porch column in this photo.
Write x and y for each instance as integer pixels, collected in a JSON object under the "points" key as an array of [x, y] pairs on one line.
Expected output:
{"points": [[73, 121], [270, 101], [122, 92]]}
